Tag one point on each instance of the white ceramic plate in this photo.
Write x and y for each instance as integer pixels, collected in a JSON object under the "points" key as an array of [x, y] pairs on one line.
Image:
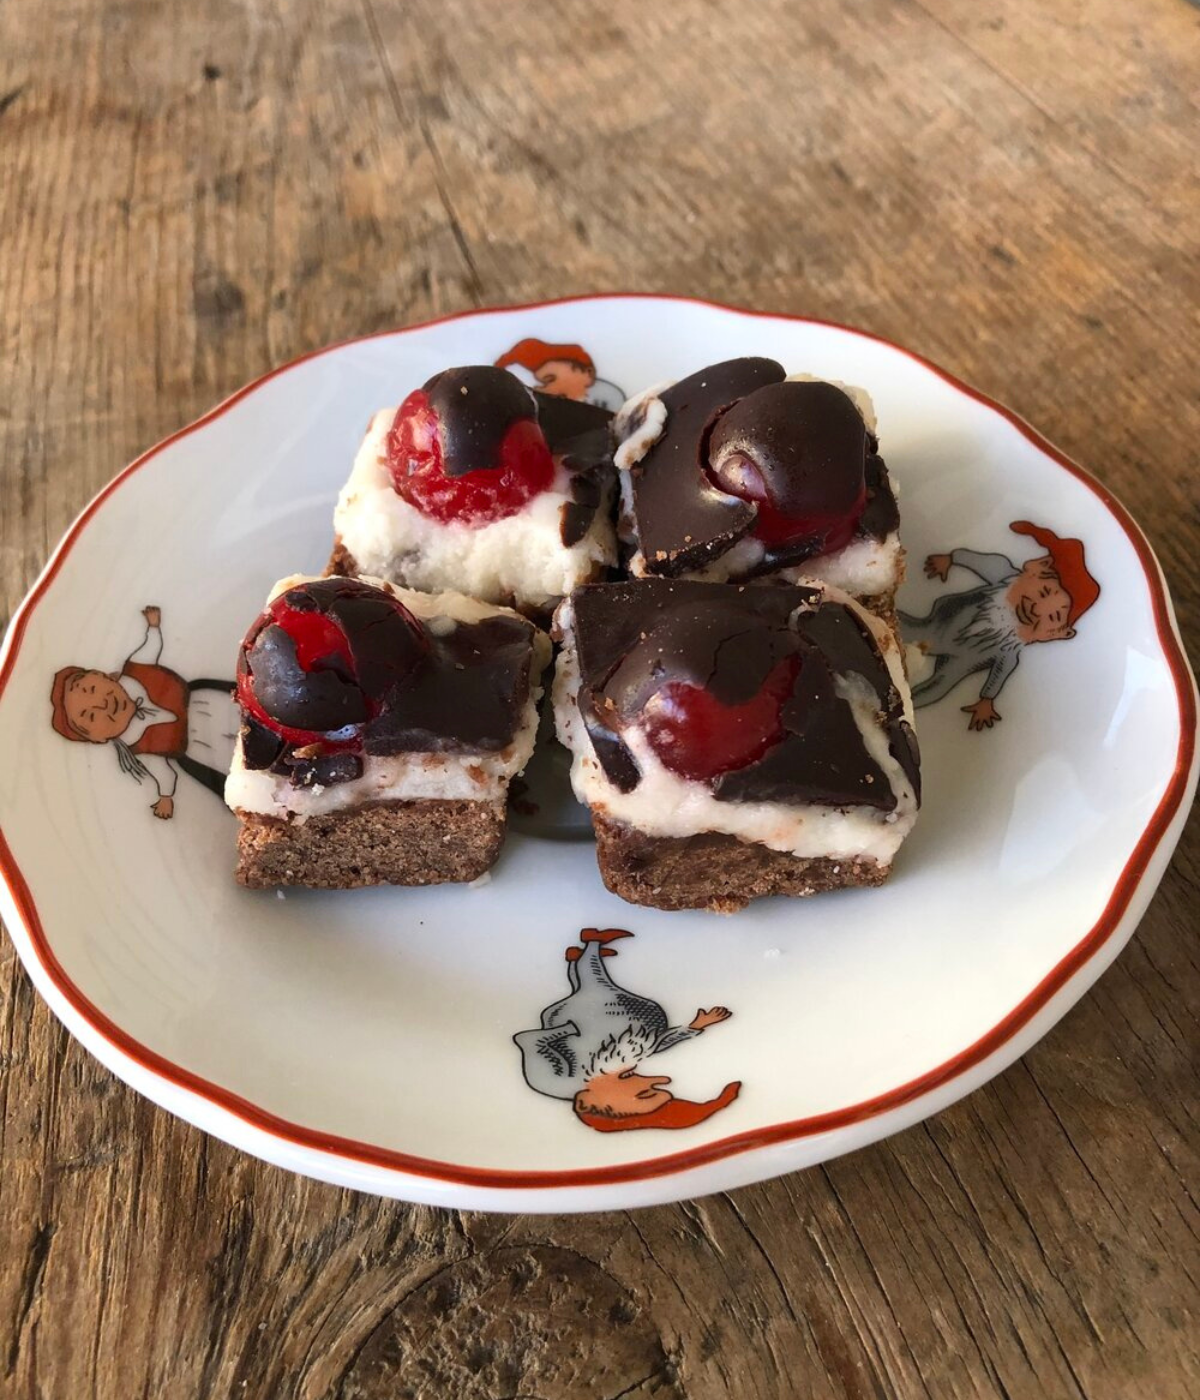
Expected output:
{"points": [[367, 1038]]}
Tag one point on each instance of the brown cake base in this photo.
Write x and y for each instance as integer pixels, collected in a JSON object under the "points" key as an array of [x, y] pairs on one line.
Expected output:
{"points": [[342, 563], [883, 605], [382, 843], [715, 871]]}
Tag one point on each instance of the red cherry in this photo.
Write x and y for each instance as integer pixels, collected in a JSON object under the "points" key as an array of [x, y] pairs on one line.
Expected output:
{"points": [[739, 477], [524, 468], [320, 645], [697, 736]]}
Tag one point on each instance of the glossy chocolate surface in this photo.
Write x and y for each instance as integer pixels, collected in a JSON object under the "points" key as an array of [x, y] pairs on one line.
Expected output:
{"points": [[475, 407], [633, 638], [806, 440], [410, 689], [579, 436]]}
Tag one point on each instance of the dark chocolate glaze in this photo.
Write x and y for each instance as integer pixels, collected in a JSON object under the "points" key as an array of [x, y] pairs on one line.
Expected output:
{"points": [[325, 700], [410, 690], [806, 438], [467, 697], [683, 521], [579, 435], [475, 407], [634, 637], [324, 770], [880, 517], [882, 514], [261, 747]]}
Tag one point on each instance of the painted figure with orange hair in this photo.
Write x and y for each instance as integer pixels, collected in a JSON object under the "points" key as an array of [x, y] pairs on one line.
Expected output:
{"points": [[563, 368], [590, 1047], [986, 627]]}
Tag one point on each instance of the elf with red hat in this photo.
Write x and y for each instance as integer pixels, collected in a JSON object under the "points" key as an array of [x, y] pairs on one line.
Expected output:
{"points": [[561, 368], [987, 627], [590, 1045], [157, 722]]}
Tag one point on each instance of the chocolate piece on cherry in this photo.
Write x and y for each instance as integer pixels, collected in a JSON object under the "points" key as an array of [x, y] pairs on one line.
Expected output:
{"points": [[475, 408], [337, 668], [318, 659], [387, 643], [799, 451], [293, 696], [684, 519], [467, 447]]}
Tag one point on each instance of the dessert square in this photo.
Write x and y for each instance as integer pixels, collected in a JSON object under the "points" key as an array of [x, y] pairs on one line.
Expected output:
{"points": [[733, 742], [741, 472], [478, 483], [380, 730]]}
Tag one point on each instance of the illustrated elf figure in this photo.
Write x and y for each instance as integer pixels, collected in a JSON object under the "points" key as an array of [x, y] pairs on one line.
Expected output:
{"points": [[987, 627], [563, 369], [590, 1045], [158, 723]]}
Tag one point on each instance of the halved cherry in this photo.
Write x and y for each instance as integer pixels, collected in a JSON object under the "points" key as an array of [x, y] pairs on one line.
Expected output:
{"points": [[297, 663], [521, 467], [697, 736], [798, 451]]}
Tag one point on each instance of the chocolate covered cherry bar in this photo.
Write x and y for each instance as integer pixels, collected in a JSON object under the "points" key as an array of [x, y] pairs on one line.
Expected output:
{"points": [[733, 742], [477, 483], [742, 472], [380, 730]]}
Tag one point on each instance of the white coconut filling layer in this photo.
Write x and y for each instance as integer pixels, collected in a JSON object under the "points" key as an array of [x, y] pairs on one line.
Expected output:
{"points": [[665, 804], [405, 777], [864, 568], [521, 558]]}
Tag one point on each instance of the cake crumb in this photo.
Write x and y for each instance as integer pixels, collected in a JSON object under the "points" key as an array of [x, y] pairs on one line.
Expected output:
{"points": [[484, 879], [772, 952]]}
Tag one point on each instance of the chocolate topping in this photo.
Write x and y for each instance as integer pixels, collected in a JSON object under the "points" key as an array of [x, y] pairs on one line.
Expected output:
{"points": [[577, 432], [260, 746], [468, 697], [579, 436], [475, 407], [882, 515], [683, 520], [325, 700], [632, 638], [807, 441], [461, 690]]}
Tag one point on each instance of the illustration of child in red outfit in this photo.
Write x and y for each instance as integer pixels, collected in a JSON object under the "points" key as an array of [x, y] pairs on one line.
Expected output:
{"points": [[158, 723]]}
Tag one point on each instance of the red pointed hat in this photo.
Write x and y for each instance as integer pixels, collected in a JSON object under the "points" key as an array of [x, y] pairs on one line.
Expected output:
{"points": [[678, 1113], [1072, 572], [58, 691], [531, 354]]}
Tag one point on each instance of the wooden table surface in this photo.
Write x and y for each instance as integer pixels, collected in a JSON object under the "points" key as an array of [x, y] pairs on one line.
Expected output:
{"points": [[190, 194]]}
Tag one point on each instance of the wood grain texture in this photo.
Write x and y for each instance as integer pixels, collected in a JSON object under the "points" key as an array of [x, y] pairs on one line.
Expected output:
{"points": [[191, 194]]}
